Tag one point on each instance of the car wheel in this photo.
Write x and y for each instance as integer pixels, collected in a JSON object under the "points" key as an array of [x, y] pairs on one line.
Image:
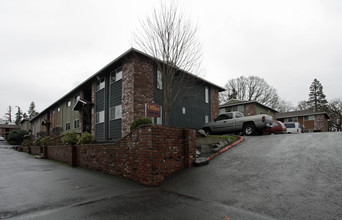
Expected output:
{"points": [[208, 131], [249, 129]]}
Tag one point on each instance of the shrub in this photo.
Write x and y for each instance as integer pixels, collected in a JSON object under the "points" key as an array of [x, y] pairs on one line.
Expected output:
{"points": [[70, 139], [140, 121], [86, 138], [16, 137], [41, 141]]}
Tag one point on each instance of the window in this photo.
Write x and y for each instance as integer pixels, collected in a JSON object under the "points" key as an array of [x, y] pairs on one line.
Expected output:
{"points": [[100, 84], [206, 119], [309, 118], [77, 97], [58, 109], [116, 112], [159, 80], [67, 126], [206, 94], [116, 75], [53, 112], [229, 116], [99, 117], [290, 125], [68, 104], [183, 110], [293, 119], [222, 117], [239, 115], [77, 123]]}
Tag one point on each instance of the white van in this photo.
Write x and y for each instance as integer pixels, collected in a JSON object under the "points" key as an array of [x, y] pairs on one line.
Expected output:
{"points": [[293, 127]]}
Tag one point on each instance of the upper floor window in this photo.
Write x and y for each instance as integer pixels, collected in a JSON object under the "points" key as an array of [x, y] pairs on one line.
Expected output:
{"points": [[77, 97], [159, 80], [116, 75], [58, 109], [206, 94], [68, 103], [100, 84]]}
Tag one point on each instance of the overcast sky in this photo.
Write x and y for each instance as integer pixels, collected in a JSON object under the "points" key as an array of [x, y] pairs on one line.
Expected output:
{"points": [[49, 47]]}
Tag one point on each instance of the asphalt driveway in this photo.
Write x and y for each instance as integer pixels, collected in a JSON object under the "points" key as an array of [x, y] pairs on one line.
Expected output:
{"points": [[264, 177], [296, 176]]}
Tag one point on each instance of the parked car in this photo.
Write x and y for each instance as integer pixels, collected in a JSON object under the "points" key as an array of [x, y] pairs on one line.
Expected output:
{"points": [[277, 128], [293, 127], [231, 122], [2, 138]]}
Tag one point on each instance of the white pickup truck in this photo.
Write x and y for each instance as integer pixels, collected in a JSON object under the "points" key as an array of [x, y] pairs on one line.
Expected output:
{"points": [[231, 122]]}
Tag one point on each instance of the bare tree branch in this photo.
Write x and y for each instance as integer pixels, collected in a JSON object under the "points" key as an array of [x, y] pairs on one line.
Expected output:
{"points": [[169, 36]]}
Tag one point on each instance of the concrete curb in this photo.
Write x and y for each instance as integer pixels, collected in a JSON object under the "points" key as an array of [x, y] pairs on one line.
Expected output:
{"points": [[226, 148]]}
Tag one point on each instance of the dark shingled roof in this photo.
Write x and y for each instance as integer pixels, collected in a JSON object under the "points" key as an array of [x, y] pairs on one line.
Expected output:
{"points": [[301, 113], [235, 102]]}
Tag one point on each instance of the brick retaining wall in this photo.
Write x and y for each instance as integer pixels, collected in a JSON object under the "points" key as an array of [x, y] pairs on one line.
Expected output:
{"points": [[35, 150], [59, 153], [146, 155]]}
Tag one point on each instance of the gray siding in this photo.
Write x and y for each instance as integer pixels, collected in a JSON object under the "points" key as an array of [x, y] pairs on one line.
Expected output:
{"points": [[99, 132], [115, 100], [195, 107], [100, 106], [115, 129], [115, 93], [100, 100], [194, 102]]}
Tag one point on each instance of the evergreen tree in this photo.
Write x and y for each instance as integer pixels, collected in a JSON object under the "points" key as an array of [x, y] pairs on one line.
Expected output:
{"points": [[32, 110], [18, 116], [8, 115], [25, 115], [317, 99]]}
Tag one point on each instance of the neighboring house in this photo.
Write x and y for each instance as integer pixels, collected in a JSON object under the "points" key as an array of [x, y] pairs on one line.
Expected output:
{"points": [[5, 129], [248, 108], [313, 121], [109, 101]]}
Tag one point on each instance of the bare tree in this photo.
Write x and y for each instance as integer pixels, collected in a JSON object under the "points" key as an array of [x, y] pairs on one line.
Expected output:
{"points": [[302, 105], [250, 88], [169, 36], [284, 106], [335, 113]]}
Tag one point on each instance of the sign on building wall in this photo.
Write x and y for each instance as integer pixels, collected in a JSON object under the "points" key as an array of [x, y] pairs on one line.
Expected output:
{"points": [[153, 110]]}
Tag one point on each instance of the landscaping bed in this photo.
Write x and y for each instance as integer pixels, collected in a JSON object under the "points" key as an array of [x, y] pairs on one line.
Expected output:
{"points": [[210, 146]]}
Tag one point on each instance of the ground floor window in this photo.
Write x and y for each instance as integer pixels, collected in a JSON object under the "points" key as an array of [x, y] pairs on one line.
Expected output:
{"points": [[67, 126], [309, 118], [76, 123], [116, 112], [99, 117], [206, 119]]}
